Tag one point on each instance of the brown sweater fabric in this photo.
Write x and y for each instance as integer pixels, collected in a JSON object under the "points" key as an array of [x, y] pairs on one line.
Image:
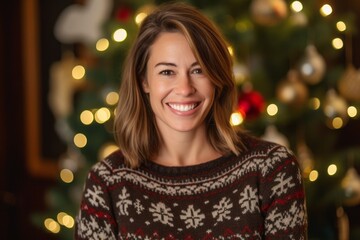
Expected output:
{"points": [[256, 195]]}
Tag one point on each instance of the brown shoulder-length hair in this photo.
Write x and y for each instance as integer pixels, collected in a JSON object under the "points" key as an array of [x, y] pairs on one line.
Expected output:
{"points": [[135, 128]]}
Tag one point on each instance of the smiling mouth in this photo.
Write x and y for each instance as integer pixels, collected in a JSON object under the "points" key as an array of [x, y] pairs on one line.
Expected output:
{"points": [[183, 107]]}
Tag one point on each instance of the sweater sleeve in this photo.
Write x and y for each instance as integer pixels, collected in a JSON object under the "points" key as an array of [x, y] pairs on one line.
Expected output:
{"points": [[95, 219], [282, 196]]}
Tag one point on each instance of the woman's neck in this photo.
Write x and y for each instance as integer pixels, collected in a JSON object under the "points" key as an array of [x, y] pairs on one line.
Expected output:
{"points": [[185, 149]]}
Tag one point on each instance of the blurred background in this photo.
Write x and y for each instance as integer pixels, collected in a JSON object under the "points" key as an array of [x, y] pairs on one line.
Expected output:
{"points": [[297, 68]]}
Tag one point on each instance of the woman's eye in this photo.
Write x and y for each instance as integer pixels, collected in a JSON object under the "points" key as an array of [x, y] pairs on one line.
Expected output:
{"points": [[197, 71], [166, 72]]}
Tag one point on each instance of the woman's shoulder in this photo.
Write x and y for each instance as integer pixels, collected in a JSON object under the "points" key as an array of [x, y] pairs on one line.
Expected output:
{"points": [[111, 163], [253, 144]]}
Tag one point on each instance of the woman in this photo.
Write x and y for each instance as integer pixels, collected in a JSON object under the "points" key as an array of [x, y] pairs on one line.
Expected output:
{"points": [[183, 171]]}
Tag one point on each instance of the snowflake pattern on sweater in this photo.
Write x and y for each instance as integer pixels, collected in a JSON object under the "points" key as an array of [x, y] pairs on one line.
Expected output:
{"points": [[257, 195]]}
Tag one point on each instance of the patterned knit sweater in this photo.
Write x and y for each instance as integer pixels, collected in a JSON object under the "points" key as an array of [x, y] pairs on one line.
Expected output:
{"points": [[257, 195]]}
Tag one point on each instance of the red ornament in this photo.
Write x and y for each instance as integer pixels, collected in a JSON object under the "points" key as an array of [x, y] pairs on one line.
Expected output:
{"points": [[251, 104], [123, 14]]}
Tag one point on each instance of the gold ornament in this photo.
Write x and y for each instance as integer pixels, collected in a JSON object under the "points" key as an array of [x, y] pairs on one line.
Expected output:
{"points": [[268, 12], [349, 84], [298, 19], [273, 135], [291, 90], [305, 158], [312, 66], [241, 73], [351, 185], [335, 107]]}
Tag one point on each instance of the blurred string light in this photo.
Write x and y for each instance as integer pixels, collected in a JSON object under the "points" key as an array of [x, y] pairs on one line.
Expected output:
{"points": [[140, 17], [314, 103], [80, 140], [78, 72], [102, 44], [236, 119], [296, 6], [272, 109], [352, 111], [112, 98], [337, 123], [326, 10], [337, 43], [86, 117], [231, 50], [341, 26], [332, 169], [66, 175], [120, 35], [313, 175], [107, 149], [102, 115], [51, 225], [65, 219]]}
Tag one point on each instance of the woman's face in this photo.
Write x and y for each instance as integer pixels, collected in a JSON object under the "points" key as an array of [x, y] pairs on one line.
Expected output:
{"points": [[180, 94]]}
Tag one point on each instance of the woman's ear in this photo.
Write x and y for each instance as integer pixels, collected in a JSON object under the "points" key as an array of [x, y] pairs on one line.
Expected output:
{"points": [[145, 85]]}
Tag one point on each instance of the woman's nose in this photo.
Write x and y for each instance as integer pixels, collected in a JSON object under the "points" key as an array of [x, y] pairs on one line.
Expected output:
{"points": [[184, 86]]}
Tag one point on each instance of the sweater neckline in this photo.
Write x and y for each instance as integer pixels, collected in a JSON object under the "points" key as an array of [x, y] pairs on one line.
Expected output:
{"points": [[191, 169]]}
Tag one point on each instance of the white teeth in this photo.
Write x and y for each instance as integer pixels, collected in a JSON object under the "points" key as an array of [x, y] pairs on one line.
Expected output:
{"points": [[182, 107]]}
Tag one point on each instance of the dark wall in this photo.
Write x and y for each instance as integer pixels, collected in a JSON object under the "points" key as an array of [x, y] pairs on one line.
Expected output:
{"points": [[20, 193]]}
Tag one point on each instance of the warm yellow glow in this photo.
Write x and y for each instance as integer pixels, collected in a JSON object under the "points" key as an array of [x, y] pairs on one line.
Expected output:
{"points": [[66, 175], [236, 119], [51, 225], [332, 169], [313, 176], [326, 10], [102, 115], [341, 26], [102, 44], [296, 6], [86, 117], [352, 111], [65, 219], [140, 17], [78, 72], [80, 140], [231, 50], [337, 123], [314, 103], [107, 149], [337, 43], [112, 98], [60, 217], [272, 109], [120, 35], [68, 221]]}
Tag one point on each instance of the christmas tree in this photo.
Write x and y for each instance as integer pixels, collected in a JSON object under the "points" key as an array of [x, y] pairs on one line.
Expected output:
{"points": [[296, 81]]}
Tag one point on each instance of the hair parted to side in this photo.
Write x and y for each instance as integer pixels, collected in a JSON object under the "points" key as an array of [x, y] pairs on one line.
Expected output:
{"points": [[135, 127]]}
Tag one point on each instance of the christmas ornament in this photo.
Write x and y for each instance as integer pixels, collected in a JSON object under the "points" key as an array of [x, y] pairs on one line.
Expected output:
{"points": [[123, 14], [241, 73], [305, 158], [335, 107], [349, 84], [292, 91], [63, 85], [298, 19], [251, 104], [268, 12], [312, 66], [273, 135], [351, 186], [83, 23]]}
